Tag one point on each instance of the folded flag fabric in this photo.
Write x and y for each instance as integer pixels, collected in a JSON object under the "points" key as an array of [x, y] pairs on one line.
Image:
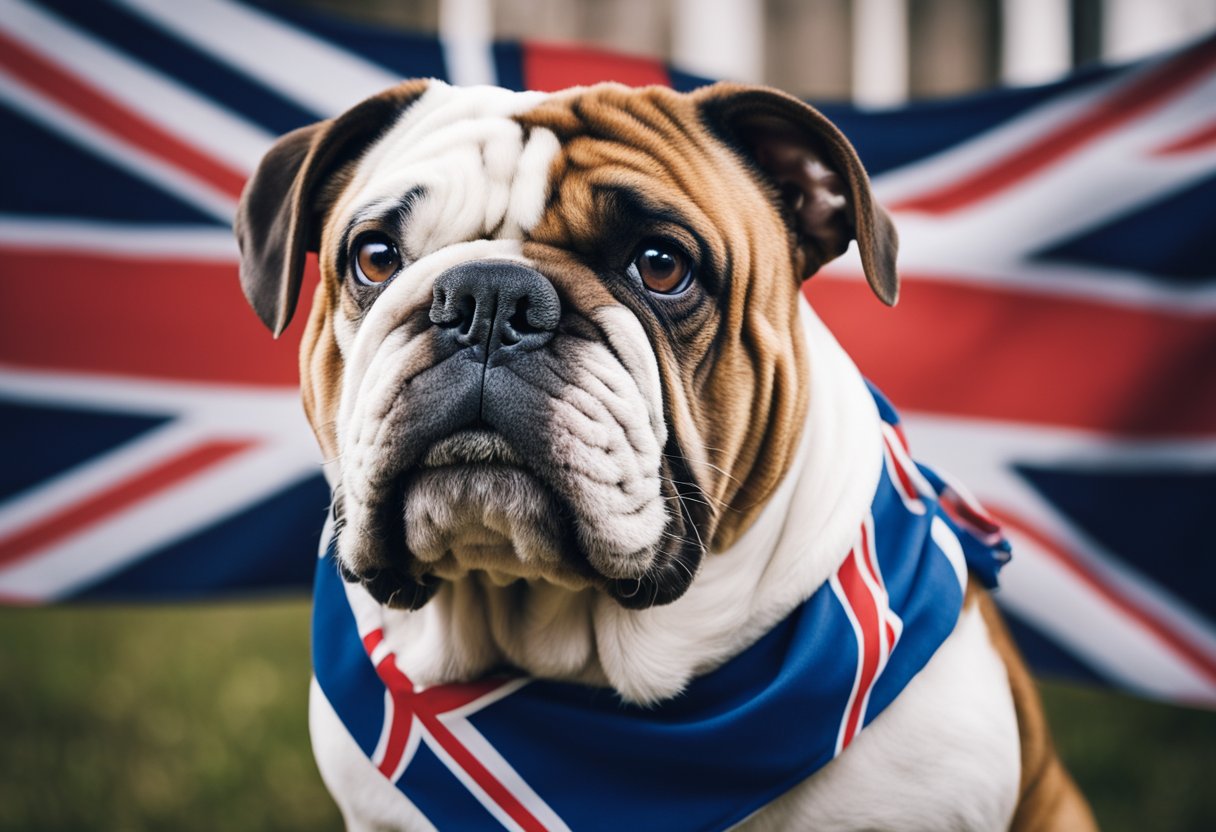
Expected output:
{"points": [[1055, 346]]}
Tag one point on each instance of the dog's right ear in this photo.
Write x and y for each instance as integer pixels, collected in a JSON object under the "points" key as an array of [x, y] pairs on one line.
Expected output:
{"points": [[279, 216]]}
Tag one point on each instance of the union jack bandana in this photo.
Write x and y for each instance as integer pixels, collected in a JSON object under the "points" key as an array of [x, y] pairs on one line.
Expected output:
{"points": [[527, 754]]}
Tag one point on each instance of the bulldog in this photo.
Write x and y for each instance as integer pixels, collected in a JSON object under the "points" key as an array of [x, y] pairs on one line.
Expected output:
{"points": [[581, 425]]}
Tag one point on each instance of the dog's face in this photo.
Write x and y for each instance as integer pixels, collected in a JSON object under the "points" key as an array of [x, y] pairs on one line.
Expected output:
{"points": [[556, 336]]}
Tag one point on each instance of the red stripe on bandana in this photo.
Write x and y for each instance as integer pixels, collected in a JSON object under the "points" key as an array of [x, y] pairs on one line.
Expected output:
{"points": [[865, 609], [871, 561], [428, 705]]}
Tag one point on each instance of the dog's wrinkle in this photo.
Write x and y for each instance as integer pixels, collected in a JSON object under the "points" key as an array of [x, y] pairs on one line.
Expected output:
{"points": [[619, 401], [537, 371], [587, 473], [574, 408], [565, 430], [572, 405], [575, 402], [540, 629]]}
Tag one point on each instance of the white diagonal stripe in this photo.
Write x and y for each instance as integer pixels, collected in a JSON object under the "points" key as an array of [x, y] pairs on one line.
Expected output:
{"points": [[100, 141], [981, 453], [314, 73], [184, 242], [174, 108], [173, 513]]}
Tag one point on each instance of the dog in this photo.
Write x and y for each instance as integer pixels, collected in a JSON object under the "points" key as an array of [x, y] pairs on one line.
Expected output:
{"points": [[582, 426]]}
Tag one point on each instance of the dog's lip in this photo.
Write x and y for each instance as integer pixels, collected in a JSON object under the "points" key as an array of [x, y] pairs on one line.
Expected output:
{"points": [[471, 447]]}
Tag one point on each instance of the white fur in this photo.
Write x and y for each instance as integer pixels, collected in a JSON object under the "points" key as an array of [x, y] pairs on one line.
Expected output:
{"points": [[462, 146]]}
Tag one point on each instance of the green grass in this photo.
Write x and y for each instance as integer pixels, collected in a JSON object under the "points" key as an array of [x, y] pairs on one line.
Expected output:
{"points": [[174, 718], [195, 718]]}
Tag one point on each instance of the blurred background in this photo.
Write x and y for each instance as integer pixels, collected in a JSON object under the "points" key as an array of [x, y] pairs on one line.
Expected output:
{"points": [[874, 52], [193, 716]]}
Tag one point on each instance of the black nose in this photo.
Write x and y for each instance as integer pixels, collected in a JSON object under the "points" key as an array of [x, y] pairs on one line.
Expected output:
{"points": [[496, 303]]}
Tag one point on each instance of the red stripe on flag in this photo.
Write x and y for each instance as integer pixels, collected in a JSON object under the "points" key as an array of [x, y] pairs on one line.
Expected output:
{"points": [[427, 705], [103, 111], [903, 478], [871, 560], [869, 555], [549, 68], [998, 353], [1202, 139], [372, 640], [402, 696], [93, 509], [1175, 642], [482, 776], [1117, 109], [137, 316], [866, 612]]}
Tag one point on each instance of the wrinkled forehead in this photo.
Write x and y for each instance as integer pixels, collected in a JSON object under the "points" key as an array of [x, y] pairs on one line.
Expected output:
{"points": [[464, 144], [569, 169]]}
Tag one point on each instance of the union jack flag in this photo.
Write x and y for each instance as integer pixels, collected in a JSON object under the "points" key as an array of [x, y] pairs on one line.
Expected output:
{"points": [[1054, 348]]}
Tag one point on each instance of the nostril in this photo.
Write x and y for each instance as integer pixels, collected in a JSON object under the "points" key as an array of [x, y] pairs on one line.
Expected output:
{"points": [[518, 323], [466, 314]]}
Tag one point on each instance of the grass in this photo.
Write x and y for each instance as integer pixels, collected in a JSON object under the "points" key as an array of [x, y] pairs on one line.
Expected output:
{"points": [[175, 718], [195, 718]]}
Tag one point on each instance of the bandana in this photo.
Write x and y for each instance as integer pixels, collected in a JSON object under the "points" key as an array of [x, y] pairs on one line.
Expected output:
{"points": [[520, 753]]}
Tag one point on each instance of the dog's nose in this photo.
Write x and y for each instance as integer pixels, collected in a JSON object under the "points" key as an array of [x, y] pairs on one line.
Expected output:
{"points": [[497, 303]]}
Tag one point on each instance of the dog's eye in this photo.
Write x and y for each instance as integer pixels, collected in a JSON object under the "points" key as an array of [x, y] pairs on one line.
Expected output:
{"points": [[376, 259], [662, 267]]}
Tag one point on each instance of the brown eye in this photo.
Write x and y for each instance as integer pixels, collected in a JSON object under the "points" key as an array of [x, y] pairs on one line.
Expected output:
{"points": [[662, 267], [376, 259]]}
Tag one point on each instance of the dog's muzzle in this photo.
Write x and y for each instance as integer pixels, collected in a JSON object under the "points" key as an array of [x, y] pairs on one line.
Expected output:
{"points": [[516, 450]]}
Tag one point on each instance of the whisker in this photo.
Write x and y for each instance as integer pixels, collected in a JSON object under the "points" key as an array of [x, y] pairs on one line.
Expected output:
{"points": [[705, 463]]}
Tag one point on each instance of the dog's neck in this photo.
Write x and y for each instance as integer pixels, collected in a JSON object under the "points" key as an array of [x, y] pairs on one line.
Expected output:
{"points": [[802, 535]]}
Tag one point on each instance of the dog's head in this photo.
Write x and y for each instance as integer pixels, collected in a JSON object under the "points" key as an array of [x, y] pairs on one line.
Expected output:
{"points": [[556, 336]]}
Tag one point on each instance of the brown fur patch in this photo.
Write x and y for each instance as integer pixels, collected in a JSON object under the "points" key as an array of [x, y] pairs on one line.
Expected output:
{"points": [[321, 369], [639, 164]]}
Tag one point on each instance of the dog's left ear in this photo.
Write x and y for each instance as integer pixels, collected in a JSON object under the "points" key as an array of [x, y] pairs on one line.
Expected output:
{"points": [[823, 187], [278, 219]]}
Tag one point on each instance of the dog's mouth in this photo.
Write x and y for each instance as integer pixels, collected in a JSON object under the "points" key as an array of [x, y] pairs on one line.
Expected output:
{"points": [[473, 503], [472, 447], [476, 503]]}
